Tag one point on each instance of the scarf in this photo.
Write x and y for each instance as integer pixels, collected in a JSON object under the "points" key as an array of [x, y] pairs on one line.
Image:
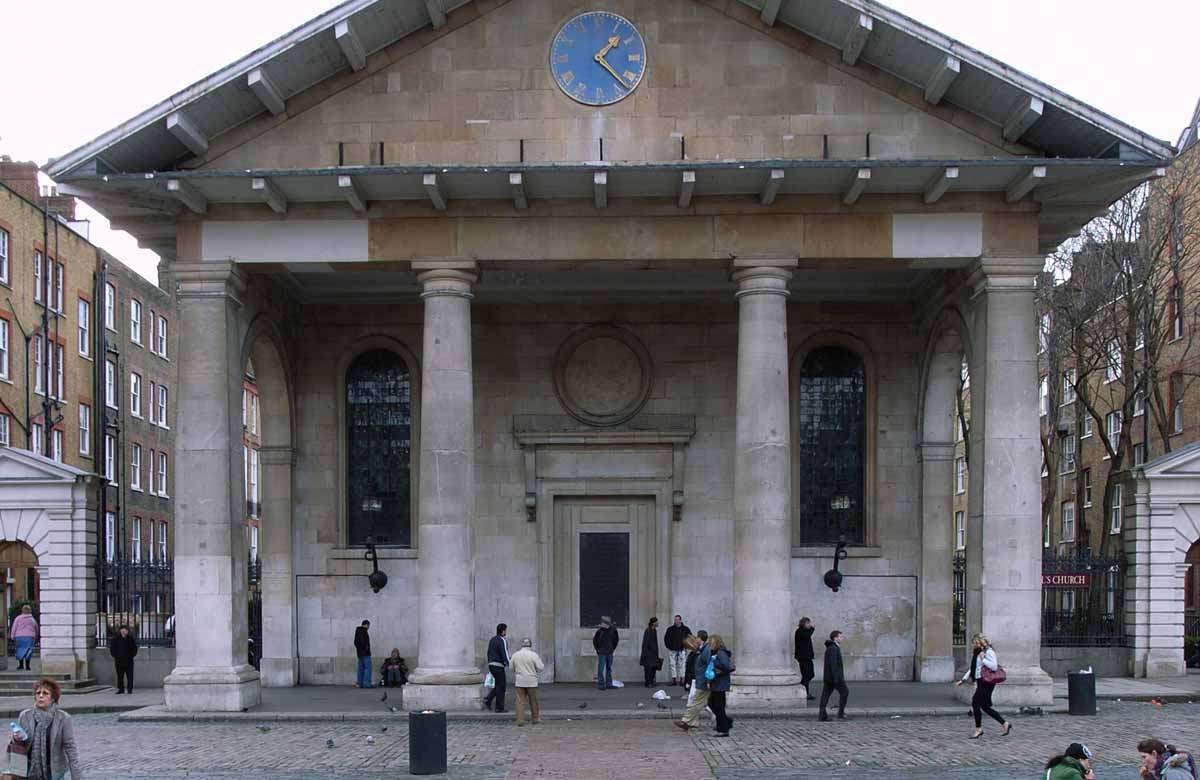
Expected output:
{"points": [[39, 747]]}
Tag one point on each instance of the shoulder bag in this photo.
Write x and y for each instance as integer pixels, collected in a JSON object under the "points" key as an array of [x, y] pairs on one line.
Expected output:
{"points": [[993, 677], [17, 760]]}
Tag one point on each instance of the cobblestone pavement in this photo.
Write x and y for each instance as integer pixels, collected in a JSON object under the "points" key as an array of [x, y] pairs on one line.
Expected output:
{"points": [[877, 749]]}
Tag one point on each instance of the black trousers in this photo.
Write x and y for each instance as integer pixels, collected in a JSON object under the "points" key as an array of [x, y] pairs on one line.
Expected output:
{"points": [[716, 703], [981, 702], [806, 672], [124, 676], [497, 693], [650, 672], [827, 690]]}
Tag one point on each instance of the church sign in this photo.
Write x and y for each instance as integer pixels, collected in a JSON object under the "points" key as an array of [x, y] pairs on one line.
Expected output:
{"points": [[1066, 580]]}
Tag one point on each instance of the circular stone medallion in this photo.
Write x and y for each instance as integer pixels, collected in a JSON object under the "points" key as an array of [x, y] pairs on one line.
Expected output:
{"points": [[602, 375]]}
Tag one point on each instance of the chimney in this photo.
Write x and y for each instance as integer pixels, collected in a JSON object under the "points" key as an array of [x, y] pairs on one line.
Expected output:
{"points": [[23, 177]]}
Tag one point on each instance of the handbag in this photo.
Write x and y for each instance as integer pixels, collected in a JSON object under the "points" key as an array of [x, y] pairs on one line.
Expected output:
{"points": [[658, 666], [489, 681], [993, 677], [17, 760], [711, 672]]}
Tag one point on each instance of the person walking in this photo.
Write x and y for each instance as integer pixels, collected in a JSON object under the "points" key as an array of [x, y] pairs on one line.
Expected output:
{"points": [[123, 647], [700, 692], [676, 653], [804, 653], [983, 666], [50, 735], [498, 661], [1073, 764], [24, 632], [650, 660], [362, 648], [835, 677], [394, 672], [692, 644], [526, 665], [719, 685], [605, 641]]}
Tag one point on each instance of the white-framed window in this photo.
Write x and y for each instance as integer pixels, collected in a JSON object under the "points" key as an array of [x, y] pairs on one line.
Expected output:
{"points": [[254, 543], [162, 474], [162, 406], [135, 321], [56, 445], [85, 430], [4, 267], [152, 402], [162, 541], [1044, 396], [1177, 311], [150, 463], [1046, 530], [110, 306], [1086, 425], [39, 283], [1068, 455], [135, 394], [245, 409], [1068, 387], [960, 530], [1044, 333], [254, 478], [5, 361], [1114, 429], [1114, 511], [110, 384], [964, 375], [136, 540], [1139, 454], [110, 535], [1176, 403], [254, 414], [1087, 487], [1114, 369], [110, 458], [39, 364], [85, 328], [161, 337], [60, 377], [958, 428], [60, 274], [1067, 527], [245, 472], [39, 438], [1139, 403], [960, 475], [150, 546], [135, 467], [5, 430]]}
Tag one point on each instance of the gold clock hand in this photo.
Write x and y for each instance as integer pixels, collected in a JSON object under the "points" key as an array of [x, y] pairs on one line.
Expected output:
{"points": [[612, 43], [604, 64]]}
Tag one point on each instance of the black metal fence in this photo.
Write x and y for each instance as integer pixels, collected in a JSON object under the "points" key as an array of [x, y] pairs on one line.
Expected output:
{"points": [[254, 613], [960, 599], [1083, 600], [138, 594]]}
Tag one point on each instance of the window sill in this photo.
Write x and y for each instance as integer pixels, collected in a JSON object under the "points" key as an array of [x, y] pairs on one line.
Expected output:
{"points": [[826, 551], [7, 380], [136, 489], [86, 357], [384, 553]]}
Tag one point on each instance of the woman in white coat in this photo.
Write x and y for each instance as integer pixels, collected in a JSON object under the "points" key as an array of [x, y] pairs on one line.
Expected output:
{"points": [[983, 657], [526, 665]]}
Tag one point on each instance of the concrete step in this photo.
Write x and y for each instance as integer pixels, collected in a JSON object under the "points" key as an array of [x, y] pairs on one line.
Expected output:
{"points": [[12, 684]]}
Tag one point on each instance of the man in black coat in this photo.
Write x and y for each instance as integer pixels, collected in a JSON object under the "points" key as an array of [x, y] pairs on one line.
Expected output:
{"points": [[123, 647], [835, 676], [677, 656], [362, 648], [605, 642], [498, 660], [805, 654]]}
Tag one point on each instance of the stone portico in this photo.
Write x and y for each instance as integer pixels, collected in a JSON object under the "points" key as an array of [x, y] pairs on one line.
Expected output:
{"points": [[554, 383]]}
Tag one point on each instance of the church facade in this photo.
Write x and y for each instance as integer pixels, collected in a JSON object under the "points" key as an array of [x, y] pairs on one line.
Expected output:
{"points": [[566, 310]]}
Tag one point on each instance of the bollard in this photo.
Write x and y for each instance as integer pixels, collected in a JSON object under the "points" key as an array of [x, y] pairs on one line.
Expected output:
{"points": [[1081, 693], [427, 743]]}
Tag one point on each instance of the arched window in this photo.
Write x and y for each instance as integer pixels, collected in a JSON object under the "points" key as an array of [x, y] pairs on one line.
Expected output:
{"points": [[832, 446], [378, 449]]}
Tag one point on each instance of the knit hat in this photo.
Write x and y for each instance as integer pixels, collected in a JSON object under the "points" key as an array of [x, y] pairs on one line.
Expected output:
{"points": [[1078, 751]]}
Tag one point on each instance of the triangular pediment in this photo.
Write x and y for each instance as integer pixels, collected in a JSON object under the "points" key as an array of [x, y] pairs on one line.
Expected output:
{"points": [[24, 466], [1180, 463]]}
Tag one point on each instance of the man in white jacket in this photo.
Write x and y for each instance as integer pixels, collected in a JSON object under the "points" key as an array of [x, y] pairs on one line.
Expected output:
{"points": [[526, 665]]}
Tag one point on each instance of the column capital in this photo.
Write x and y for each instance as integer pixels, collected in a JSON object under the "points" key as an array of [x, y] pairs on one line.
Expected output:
{"points": [[762, 275], [1005, 274], [446, 276], [930, 451], [277, 456], [209, 279]]}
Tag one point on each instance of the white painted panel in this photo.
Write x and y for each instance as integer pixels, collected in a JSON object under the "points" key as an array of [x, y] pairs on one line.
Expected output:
{"points": [[286, 241], [937, 235]]}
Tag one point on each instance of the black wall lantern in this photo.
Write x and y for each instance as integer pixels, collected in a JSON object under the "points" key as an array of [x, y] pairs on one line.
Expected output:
{"points": [[839, 505], [377, 578]]}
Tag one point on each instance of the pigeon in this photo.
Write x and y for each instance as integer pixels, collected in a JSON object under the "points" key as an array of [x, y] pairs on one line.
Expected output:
{"points": [[370, 740], [385, 728], [264, 729], [329, 743], [383, 697], [393, 708], [583, 706]]}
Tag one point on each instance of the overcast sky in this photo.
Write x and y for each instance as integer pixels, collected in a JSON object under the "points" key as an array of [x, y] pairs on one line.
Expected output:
{"points": [[89, 66]]}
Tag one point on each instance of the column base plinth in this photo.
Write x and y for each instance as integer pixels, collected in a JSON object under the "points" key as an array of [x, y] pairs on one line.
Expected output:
{"points": [[279, 672], [936, 669], [1025, 687], [1162, 663], [212, 689], [448, 698], [767, 689]]}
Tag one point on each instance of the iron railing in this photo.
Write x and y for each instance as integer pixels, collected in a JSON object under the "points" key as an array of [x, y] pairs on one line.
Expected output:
{"points": [[960, 599], [253, 508], [1083, 603], [139, 594], [254, 613], [1191, 625]]}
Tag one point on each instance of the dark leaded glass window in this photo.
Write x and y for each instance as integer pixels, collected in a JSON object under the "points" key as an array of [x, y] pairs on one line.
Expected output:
{"points": [[604, 578], [832, 445], [378, 449]]}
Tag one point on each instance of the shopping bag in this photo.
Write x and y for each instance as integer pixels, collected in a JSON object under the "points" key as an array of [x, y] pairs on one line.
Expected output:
{"points": [[489, 681], [17, 760], [618, 684], [691, 693]]}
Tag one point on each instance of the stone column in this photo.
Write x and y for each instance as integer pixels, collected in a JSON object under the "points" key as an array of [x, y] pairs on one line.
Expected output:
{"points": [[762, 496], [278, 666], [1006, 459], [68, 584], [447, 676], [1154, 592], [211, 673], [935, 629]]}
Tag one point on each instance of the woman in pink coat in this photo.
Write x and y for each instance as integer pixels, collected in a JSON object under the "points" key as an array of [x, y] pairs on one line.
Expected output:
{"points": [[24, 633]]}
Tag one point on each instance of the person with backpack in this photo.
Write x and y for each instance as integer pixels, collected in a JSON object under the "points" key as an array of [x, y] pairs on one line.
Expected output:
{"points": [[1073, 764], [985, 671]]}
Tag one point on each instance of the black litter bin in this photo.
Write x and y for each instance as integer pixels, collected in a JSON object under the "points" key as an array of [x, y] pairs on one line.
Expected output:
{"points": [[427, 743], [1081, 693]]}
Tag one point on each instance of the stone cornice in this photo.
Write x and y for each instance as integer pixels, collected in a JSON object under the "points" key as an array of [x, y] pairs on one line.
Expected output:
{"points": [[208, 279], [1005, 274]]}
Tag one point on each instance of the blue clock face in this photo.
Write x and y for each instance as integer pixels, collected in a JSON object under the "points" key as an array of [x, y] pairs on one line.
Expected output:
{"points": [[598, 58]]}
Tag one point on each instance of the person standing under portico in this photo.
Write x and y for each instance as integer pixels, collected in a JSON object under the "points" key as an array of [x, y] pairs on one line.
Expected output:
{"points": [[526, 665], [605, 641], [362, 648], [498, 661], [804, 653], [676, 653]]}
